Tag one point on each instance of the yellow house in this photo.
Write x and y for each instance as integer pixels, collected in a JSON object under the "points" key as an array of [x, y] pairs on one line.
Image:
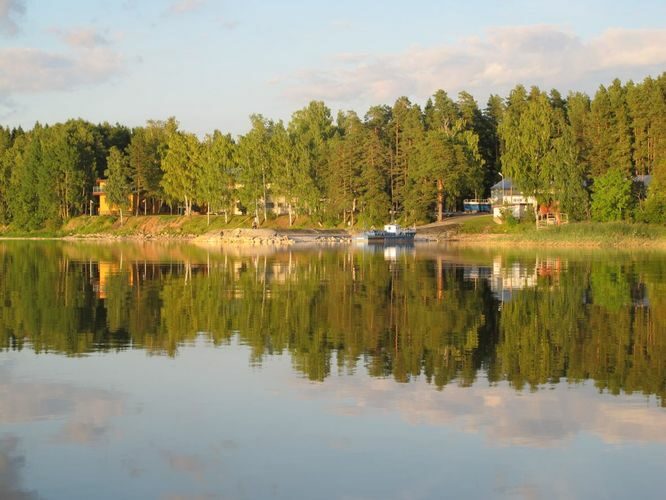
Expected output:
{"points": [[103, 205]]}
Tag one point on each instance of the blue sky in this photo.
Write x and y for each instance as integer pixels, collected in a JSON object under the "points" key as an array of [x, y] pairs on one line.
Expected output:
{"points": [[213, 63]]}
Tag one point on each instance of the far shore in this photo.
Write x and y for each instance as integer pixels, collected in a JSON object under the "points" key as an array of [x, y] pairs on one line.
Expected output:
{"points": [[468, 230]]}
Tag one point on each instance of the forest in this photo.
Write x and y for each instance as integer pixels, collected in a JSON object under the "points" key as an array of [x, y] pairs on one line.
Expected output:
{"points": [[405, 161]]}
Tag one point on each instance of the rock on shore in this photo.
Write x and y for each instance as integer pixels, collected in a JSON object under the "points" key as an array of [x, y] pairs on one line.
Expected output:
{"points": [[274, 237]]}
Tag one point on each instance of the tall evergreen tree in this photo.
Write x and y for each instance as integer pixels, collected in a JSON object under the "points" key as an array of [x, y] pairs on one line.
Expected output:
{"points": [[600, 138], [620, 132], [374, 200], [489, 142], [406, 136], [578, 114], [6, 165]]}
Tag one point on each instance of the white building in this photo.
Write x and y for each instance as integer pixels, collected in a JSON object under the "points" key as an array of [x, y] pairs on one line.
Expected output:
{"points": [[506, 196]]}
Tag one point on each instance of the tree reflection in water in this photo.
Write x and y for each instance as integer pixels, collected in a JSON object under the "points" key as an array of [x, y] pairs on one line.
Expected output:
{"points": [[447, 316]]}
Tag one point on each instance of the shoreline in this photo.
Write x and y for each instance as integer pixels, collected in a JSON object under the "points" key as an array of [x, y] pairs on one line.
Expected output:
{"points": [[501, 240], [239, 236], [277, 237], [467, 231]]}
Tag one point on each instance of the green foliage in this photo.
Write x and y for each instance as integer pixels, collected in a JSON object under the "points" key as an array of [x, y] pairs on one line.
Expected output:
{"points": [[215, 179], [118, 186], [375, 203], [397, 162], [612, 196], [182, 167], [7, 162], [147, 150], [568, 177], [653, 209], [253, 156], [506, 214], [406, 131], [540, 152]]}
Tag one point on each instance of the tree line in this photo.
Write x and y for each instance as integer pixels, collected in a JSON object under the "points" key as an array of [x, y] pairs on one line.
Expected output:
{"points": [[404, 161]]}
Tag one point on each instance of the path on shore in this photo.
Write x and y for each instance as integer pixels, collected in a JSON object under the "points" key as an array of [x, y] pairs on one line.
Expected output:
{"points": [[448, 221]]}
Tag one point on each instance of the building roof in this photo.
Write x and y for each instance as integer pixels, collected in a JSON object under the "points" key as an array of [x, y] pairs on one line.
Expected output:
{"points": [[505, 183]]}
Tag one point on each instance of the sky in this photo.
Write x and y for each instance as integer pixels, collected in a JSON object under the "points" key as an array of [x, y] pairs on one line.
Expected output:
{"points": [[212, 63]]}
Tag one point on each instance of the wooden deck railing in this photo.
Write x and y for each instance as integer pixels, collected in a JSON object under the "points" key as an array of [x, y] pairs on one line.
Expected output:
{"points": [[546, 220]]}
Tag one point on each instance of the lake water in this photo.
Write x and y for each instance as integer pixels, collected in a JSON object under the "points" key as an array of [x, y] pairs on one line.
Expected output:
{"points": [[172, 371]]}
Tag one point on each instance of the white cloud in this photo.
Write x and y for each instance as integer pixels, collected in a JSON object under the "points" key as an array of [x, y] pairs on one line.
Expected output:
{"points": [[184, 6], [506, 417], [86, 38], [9, 11], [87, 412], [229, 25], [28, 70], [539, 54]]}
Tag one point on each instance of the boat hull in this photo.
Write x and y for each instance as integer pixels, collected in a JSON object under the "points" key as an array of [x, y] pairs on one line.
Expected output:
{"points": [[381, 236]]}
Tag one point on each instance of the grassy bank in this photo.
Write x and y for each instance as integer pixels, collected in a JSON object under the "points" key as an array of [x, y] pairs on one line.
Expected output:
{"points": [[154, 226], [475, 230], [592, 234]]}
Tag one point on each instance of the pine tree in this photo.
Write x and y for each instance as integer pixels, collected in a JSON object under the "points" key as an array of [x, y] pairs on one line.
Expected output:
{"points": [[578, 115], [600, 137], [6, 165], [374, 200], [489, 142], [620, 132], [406, 135]]}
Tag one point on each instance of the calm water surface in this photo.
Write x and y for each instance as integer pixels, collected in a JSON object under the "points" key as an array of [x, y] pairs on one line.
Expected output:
{"points": [[173, 371]]}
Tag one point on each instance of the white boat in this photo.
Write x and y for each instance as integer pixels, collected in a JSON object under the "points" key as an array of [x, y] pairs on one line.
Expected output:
{"points": [[391, 232]]}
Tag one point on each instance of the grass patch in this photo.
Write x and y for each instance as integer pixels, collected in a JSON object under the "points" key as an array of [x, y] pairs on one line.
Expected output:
{"points": [[590, 233], [482, 224], [601, 232], [37, 233]]}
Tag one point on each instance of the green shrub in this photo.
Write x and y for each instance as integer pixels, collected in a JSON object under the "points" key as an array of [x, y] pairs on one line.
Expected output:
{"points": [[507, 217], [653, 209], [612, 198]]}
